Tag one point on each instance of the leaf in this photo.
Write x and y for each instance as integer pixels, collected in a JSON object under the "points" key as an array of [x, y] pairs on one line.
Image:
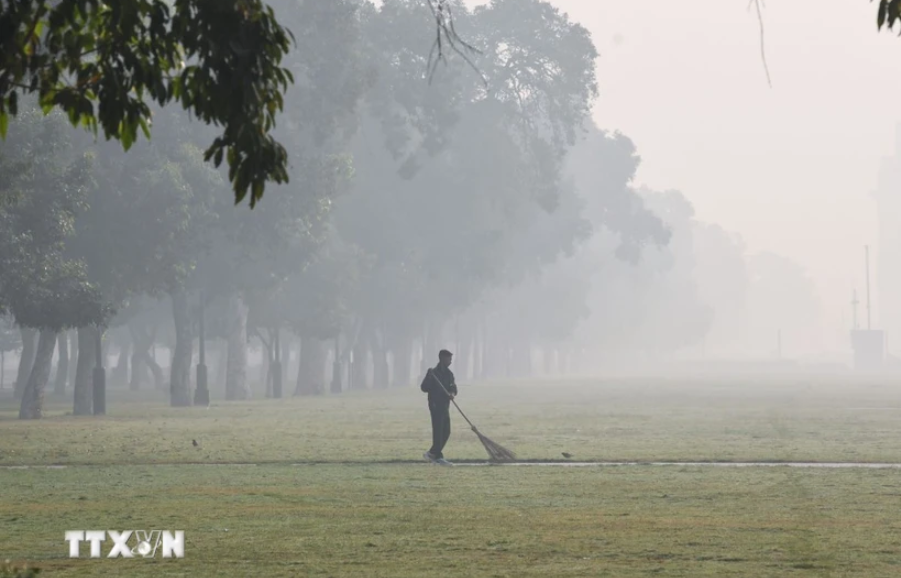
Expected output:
{"points": [[145, 127], [883, 9], [125, 134]]}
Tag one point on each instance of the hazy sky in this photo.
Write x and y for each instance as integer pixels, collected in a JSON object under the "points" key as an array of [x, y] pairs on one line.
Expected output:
{"points": [[789, 168]]}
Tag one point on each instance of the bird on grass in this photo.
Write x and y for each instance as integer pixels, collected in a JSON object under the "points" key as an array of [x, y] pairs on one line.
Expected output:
{"points": [[194, 442], [567, 455]]}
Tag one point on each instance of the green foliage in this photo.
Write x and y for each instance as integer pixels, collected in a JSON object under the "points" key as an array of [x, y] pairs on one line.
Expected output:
{"points": [[59, 298], [48, 183], [603, 167], [889, 13], [10, 339], [655, 305], [281, 260], [103, 64], [479, 204], [148, 217], [540, 62]]}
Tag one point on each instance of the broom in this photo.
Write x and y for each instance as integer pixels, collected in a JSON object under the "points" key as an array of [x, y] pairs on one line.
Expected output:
{"points": [[496, 451]]}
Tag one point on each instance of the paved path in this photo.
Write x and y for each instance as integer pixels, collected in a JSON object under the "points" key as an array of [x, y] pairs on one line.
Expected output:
{"points": [[824, 465]]}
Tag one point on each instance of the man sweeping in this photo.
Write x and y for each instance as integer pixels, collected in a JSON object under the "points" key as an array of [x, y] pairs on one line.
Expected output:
{"points": [[439, 384]]}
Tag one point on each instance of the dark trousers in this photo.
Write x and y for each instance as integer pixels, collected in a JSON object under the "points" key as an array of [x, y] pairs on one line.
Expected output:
{"points": [[441, 429]]}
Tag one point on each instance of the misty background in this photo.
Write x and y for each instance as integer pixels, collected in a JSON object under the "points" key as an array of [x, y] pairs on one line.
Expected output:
{"points": [[625, 192], [789, 168]]}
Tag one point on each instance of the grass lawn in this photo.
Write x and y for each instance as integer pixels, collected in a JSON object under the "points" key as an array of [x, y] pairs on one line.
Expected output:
{"points": [[348, 511]]}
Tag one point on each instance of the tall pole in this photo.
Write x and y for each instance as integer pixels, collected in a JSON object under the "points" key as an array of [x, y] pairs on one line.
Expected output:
{"points": [[336, 366], [867, 249], [99, 377], [276, 367], [202, 393]]}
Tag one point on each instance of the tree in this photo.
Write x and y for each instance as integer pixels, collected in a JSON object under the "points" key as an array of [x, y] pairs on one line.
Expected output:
{"points": [[888, 14], [651, 308], [782, 299], [145, 232], [43, 289], [60, 300], [319, 118], [599, 224], [464, 179], [723, 281], [9, 341], [102, 62]]}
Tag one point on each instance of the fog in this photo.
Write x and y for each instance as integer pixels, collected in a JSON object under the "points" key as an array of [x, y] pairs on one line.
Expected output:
{"points": [[653, 206], [789, 168]]}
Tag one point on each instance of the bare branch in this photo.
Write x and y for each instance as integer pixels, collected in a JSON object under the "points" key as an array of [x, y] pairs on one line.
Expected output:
{"points": [[446, 35], [757, 4]]}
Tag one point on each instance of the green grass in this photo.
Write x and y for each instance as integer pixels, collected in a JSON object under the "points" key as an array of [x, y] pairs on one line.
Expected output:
{"points": [[731, 420], [404, 520], [361, 516]]}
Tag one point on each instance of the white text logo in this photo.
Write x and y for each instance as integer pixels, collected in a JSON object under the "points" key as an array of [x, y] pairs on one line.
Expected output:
{"points": [[129, 544]]}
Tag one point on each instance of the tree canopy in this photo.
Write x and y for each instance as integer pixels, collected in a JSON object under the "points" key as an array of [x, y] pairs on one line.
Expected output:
{"points": [[106, 64], [425, 208]]}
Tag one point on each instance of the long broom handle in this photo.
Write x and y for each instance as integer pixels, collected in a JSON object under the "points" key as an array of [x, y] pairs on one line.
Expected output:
{"points": [[432, 373]]}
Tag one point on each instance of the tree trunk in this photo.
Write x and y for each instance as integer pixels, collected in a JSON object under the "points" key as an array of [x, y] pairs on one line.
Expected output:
{"points": [[521, 359], [141, 342], [477, 347], [266, 365], [62, 366], [159, 378], [403, 353], [494, 360], [119, 375], [429, 348], [83, 385], [26, 359], [285, 341], [180, 372], [143, 359], [563, 363], [311, 372], [575, 363], [236, 365], [358, 369], [380, 373], [336, 385], [463, 354], [221, 359], [73, 356], [32, 406]]}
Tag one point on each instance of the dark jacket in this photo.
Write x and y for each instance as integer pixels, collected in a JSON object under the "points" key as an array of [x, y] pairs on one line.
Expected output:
{"points": [[431, 386]]}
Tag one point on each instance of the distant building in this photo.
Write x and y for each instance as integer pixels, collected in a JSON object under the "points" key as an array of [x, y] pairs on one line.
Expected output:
{"points": [[868, 349]]}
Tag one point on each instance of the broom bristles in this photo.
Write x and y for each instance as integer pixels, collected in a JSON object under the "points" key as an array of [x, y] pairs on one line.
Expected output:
{"points": [[496, 451]]}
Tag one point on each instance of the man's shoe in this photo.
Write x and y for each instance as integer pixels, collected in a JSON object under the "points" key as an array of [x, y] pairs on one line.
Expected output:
{"points": [[443, 462], [429, 457]]}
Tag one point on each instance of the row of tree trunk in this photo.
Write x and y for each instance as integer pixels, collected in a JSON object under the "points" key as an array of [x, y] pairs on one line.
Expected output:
{"points": [[365, 358], [35, 364]]}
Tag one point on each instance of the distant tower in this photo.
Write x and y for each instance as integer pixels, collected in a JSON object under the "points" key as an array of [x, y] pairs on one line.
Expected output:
{"points": [[888, 250], [869, 343]]}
